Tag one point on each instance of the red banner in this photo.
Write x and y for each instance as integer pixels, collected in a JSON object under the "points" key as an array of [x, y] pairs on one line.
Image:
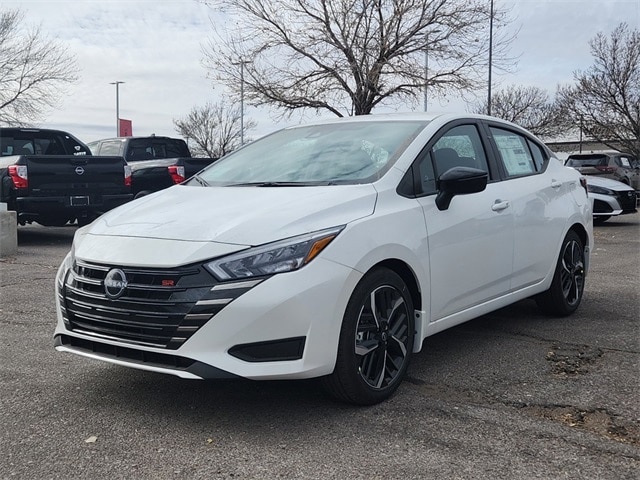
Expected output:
{"points": [[125, 127]]}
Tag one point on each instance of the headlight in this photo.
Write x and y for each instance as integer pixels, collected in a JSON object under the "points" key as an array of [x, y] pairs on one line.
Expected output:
{"points": [[600, 190], [283, 256]]}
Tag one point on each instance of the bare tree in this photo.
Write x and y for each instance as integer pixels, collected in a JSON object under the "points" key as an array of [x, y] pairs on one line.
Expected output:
{"points": [[216, 129], [33, 71], [350, 56], [529, 107], [606, 98]]}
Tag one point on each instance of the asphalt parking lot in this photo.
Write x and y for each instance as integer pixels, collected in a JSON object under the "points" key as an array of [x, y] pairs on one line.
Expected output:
{"points": [[513, 394]]}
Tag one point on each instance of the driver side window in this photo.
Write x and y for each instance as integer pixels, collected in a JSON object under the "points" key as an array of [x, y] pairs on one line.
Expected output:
{"points": [[458, 147]]}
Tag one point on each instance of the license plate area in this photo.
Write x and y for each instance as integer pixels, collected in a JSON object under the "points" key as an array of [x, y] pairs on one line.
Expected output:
{"points": [[79, 201]]}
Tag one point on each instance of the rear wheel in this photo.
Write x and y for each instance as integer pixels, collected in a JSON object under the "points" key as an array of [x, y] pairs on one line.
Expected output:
{"points": [[565, 293], [376, 340]]}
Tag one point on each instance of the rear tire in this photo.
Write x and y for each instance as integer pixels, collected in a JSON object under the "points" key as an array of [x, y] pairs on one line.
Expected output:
{"points": [[376, 340], [565, 293]]}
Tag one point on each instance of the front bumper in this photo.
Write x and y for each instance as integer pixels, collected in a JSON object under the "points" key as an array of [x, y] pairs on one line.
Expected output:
{"points": [[621, 203], [286, 326]]}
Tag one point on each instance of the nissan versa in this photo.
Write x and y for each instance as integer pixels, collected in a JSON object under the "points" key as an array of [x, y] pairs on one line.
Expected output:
{"points": [[329, 250]]}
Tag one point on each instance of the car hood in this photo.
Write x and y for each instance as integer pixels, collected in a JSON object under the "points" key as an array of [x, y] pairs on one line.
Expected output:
{"points": [[607, 183], [244, 216]]}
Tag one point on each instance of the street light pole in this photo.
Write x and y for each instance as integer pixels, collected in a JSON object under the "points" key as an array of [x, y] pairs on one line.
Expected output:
{"points": [[241, 103], [426, 74], [117, 84], [426, 66], [490, 58]]}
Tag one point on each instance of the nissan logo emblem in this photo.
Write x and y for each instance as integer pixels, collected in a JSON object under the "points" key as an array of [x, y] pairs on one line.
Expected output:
{"points": [[79, 170], [115, 283]]}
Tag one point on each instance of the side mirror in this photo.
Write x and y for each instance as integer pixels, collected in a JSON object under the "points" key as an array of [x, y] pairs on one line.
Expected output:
{"points": [[459, 181]]}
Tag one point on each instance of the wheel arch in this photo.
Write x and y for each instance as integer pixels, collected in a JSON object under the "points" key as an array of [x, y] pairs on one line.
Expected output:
{"points": [[582, 233], [408, 277], [586, 242]]}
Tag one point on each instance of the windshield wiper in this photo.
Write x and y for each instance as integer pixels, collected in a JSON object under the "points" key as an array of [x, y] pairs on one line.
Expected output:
{"points": [[275, 184], [200, 181]]}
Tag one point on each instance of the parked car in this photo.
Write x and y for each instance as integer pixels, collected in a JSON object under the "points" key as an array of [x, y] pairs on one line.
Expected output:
{"points": [[622, 167], [611, 198], [50, 177], [329, 250], [156, 162]]}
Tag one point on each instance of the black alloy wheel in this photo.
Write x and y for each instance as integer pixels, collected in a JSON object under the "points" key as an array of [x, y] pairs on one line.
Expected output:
{"points": [[572, 273], [567, 287], [382, 336], [376, 340]]}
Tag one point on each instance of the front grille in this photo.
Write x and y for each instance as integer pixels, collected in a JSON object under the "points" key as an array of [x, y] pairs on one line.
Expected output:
{"points": [[627, 200], [159, 307]]}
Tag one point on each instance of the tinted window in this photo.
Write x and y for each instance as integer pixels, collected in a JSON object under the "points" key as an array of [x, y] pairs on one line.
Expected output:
{"points": [[148, 148], [41, 143], [587, 161], [624, 162]]}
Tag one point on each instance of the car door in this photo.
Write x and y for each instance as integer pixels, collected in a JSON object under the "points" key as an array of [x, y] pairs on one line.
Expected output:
{"points": [[538, 203], [471, 242]]}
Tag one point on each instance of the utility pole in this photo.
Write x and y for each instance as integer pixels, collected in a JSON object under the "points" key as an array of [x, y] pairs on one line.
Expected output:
{"points": [[490, 58], [117, 84]]}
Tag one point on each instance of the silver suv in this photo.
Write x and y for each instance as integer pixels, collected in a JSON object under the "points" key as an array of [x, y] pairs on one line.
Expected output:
{"points": [[622, 167]]}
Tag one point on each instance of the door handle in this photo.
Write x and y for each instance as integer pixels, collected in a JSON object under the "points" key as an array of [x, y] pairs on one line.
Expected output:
{"points": [[500, 205], [555, 184]]}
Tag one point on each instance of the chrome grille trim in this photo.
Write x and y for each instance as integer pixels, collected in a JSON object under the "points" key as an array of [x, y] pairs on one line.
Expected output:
{"points": [[242, 284], [215, 301]]}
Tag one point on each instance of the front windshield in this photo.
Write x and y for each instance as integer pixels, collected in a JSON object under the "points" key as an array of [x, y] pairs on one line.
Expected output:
{"points": [[337, 153]]}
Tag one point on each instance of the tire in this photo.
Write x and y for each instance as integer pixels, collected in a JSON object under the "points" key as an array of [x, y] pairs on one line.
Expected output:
{"points": [[565, 293], [376, 340]]}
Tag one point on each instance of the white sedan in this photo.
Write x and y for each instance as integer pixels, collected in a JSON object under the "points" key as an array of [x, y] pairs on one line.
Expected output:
{"points": [[610, 198], [329, 250]]}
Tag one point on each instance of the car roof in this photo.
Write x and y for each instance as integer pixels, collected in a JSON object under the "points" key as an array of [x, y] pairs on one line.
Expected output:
{"points": [[436, 119]]}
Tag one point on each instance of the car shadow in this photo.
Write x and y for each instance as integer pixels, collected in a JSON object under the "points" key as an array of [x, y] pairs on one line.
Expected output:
{"points": [[35, 235]]}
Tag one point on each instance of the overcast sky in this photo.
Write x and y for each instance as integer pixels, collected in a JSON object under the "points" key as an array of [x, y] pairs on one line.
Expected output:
{"points": [[155, 47]]}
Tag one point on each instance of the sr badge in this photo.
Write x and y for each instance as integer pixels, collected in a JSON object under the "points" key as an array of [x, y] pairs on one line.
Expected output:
{"points": [[115, 283]]}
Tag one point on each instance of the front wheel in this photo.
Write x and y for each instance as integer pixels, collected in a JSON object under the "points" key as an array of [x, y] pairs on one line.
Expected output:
{"points": [[565, 293], [376, 340]]}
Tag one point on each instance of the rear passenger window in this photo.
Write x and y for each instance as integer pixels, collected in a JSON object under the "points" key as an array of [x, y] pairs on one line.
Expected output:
{"points": [[539, 155], [515, 155]]}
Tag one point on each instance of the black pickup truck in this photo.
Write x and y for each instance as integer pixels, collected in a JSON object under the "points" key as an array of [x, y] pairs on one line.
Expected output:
{"points": [[156, 162], [50, 177]]}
